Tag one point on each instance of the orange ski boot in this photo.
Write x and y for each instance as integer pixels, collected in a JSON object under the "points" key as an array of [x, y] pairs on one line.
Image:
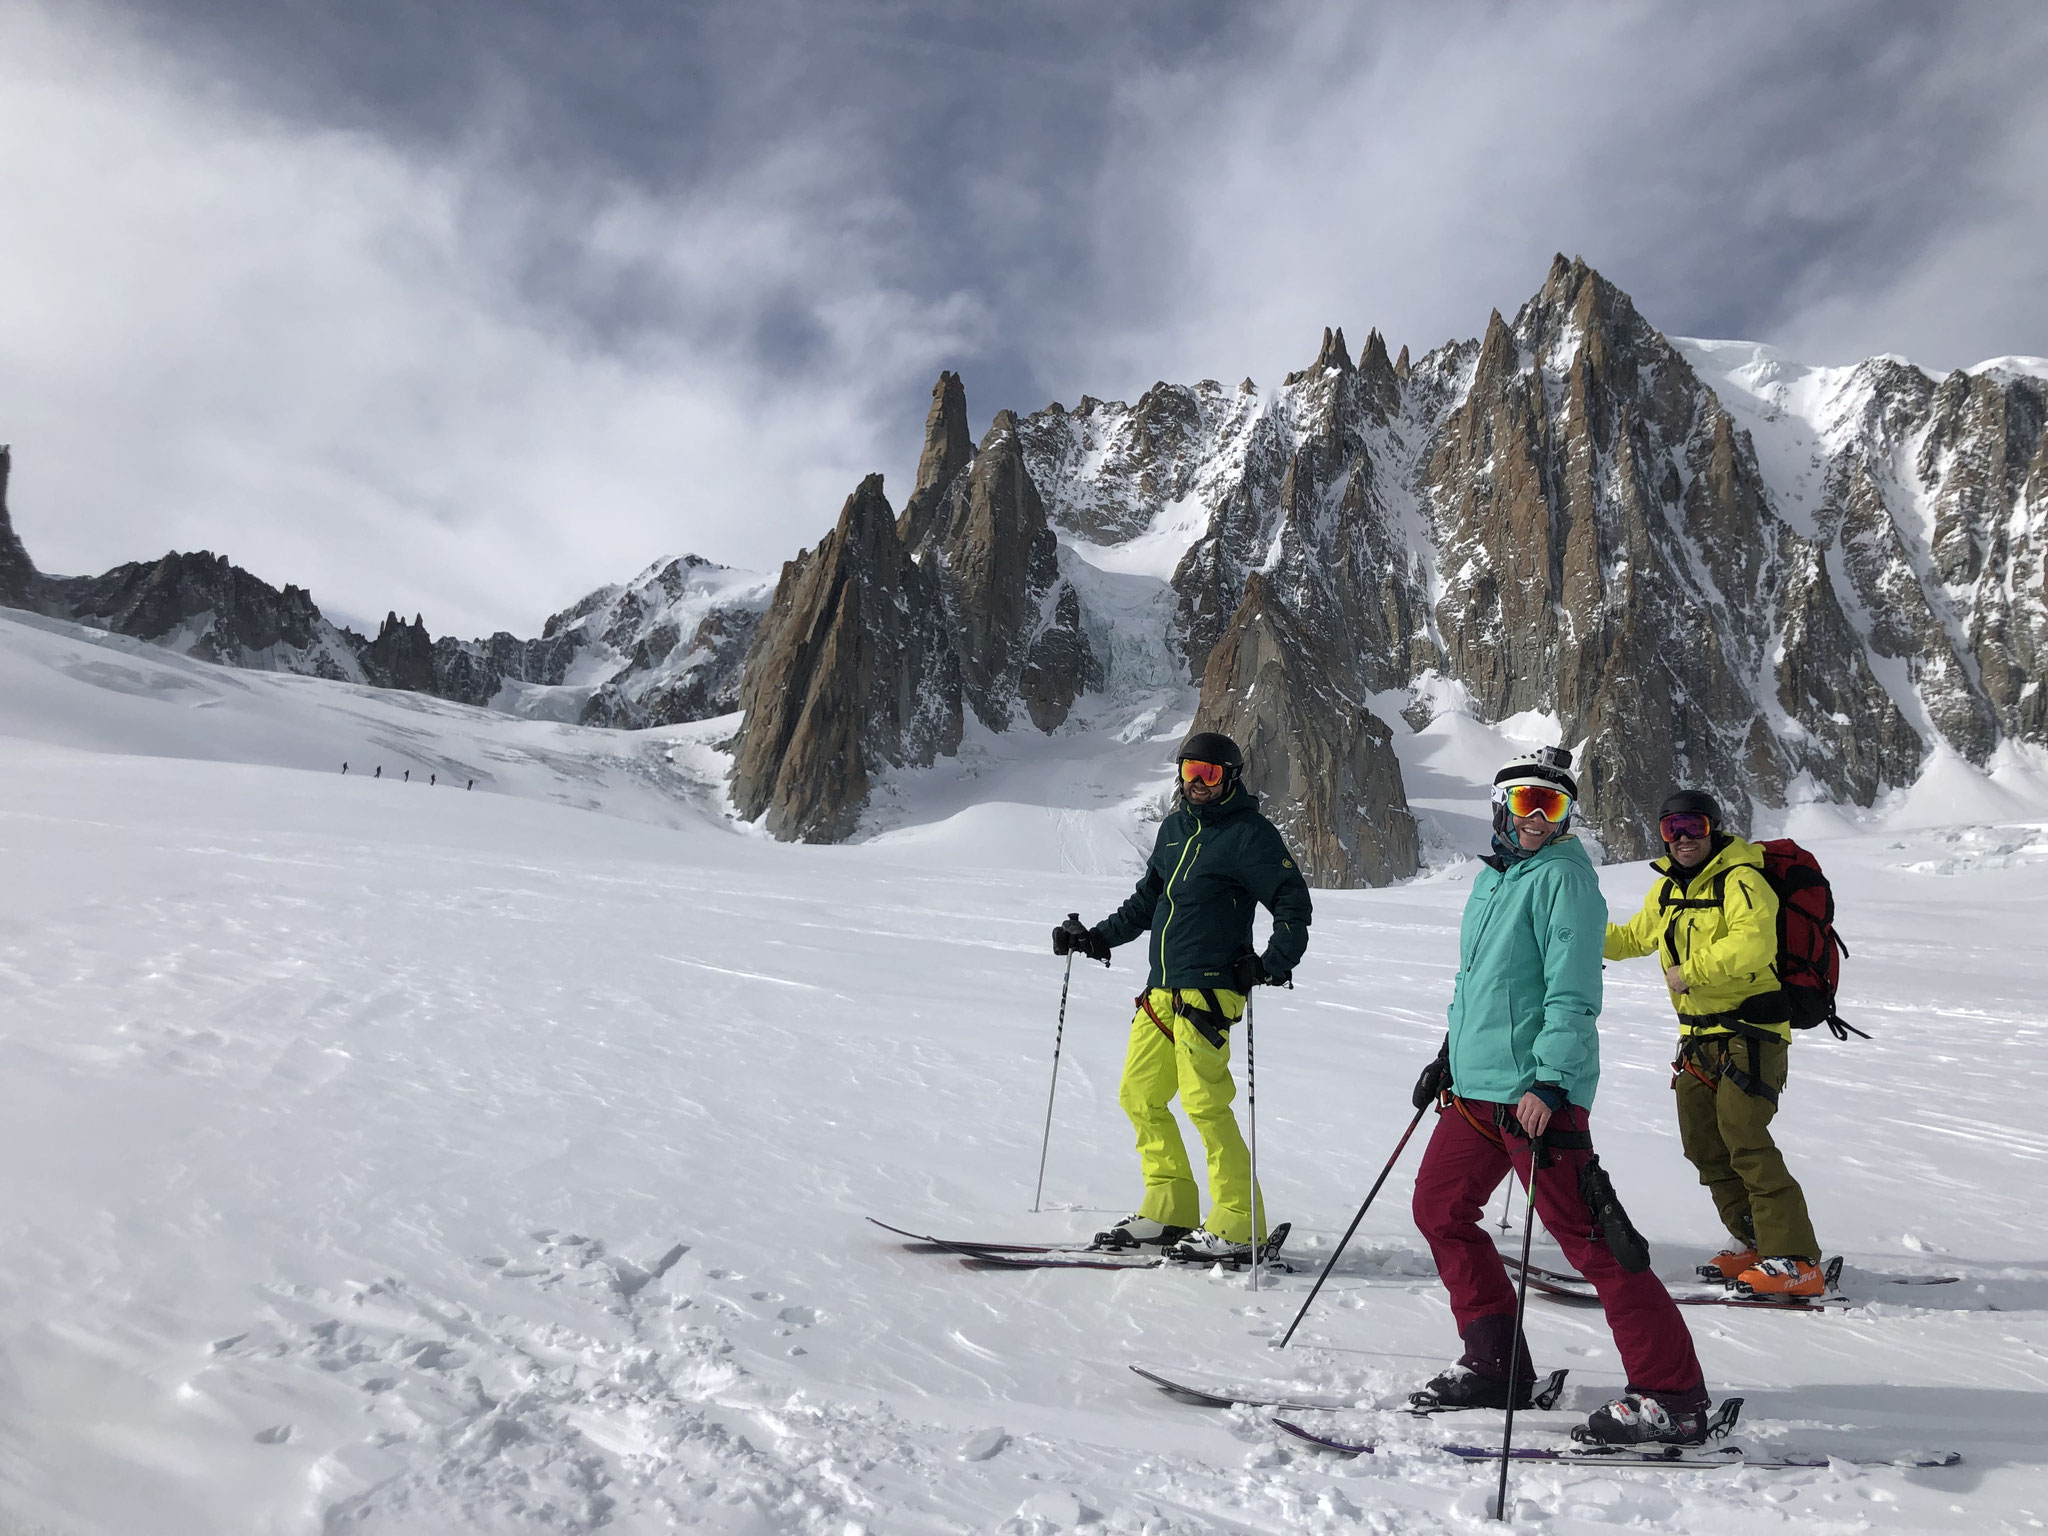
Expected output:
{"points": [[1791, 1279], [1727, 1264]]}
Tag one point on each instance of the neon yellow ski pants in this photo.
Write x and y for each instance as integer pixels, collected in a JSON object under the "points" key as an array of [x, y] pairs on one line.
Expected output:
{"points": [[1155, 1069]]}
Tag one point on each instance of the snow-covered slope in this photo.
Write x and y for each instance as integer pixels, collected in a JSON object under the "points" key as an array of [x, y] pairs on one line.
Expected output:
{"points": [[83, 688], [398, 1160]]}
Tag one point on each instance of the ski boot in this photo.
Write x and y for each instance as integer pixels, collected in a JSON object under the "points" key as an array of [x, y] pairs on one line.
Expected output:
{"points": [[1138, 1232], [1462, 1387], [1202, 1246], [1727, 1264], [1635, 1418], [1791, 1279]]}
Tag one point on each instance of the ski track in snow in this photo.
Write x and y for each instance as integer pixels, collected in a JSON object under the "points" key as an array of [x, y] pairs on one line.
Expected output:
{"points": [[388, 1159]]}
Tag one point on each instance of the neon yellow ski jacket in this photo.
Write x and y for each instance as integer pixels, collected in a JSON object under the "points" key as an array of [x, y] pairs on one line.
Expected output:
{"points": [[1719, 925]]}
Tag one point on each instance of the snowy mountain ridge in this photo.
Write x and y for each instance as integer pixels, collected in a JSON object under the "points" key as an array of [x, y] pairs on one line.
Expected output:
{"points": [[1697, 560]]}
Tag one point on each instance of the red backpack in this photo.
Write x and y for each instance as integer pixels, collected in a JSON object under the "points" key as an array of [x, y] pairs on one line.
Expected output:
{"points": [[1810, 952]]}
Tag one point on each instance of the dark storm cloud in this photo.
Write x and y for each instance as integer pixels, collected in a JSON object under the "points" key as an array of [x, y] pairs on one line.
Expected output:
{"points": [[467, 307], [963, 139]]}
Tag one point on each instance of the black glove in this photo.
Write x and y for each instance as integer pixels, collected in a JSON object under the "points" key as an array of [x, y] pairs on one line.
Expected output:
{"points": [[1075, 937], [1248, 971], [1436, 1077]]}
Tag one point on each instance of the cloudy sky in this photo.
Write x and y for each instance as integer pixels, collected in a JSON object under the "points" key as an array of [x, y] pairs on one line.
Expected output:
{"points": [[467, 308]]}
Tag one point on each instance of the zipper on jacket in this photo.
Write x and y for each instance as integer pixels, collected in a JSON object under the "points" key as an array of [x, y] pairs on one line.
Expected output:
{"points": [[1172, 907]]}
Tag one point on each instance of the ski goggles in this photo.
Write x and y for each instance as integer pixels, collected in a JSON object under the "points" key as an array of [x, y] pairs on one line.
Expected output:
{"points": [[1533, 800], [1194, 771], [1683, 824]]}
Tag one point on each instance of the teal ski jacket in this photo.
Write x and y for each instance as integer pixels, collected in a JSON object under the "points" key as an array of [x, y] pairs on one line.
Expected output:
{"points": [[1526, 1004], [1212, 866]]}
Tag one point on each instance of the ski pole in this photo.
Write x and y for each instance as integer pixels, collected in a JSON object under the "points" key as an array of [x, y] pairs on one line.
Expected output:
{"points": [[1059, 1035], [1507, 1439], [1344, 1241], [1507, 1198], [1251, 1098]]}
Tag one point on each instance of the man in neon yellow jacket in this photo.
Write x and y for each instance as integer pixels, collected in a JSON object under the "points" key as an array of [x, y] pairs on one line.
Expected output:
{"points": [[1712, 919]]}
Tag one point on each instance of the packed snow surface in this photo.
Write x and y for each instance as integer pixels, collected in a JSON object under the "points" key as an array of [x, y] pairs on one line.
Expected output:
{"points": [[388, 1158]]}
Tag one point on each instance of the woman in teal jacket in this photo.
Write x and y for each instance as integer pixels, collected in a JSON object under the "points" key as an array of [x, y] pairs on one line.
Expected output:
{"points": [[1520, 1067]]}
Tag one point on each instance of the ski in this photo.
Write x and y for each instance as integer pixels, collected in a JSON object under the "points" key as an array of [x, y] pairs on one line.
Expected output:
{"points": [[1717, 1428], [1269, 1258], [1104, 1259], [1671, 1458], [1558, 1286], [1230, 1395], [921, 1241], [1234, 1396]]}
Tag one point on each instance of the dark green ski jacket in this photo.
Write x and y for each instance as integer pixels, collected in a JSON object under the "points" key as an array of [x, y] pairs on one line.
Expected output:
{"points": [[1210, 866]]}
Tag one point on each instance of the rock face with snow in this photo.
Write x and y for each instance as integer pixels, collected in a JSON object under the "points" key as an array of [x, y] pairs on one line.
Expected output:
{"points": [[664, 649], [1563, 517], [878, 641], [994, 560], [1613, 559], [1559, 518], [1322, 765], [205, 606], [1926, 500], [852, 669], [401, 656]]}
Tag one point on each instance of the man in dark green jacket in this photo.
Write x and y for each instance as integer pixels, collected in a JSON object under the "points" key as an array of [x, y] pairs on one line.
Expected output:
{"points": [[1216, 860]]}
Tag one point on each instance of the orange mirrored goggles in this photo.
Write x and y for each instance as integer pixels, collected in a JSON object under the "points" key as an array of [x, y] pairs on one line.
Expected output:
{"points": [[1534, 800], [1195, 771]]}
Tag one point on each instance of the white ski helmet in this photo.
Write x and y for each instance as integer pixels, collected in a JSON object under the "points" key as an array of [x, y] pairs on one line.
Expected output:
{"points": [[1548, 766]]}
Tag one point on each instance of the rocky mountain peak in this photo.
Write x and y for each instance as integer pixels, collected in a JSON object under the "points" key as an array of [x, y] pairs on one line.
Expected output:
{"points": [[947, 445], [994, 557], [947, 450], [17, 571], [402, 655], [1500, 355], [852, 668], [1333, 355], [1378, 384]]}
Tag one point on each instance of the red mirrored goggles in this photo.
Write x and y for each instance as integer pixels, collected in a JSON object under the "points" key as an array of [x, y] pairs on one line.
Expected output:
{"points": [[1195, 771], [1534, 800], [1683, 824]]}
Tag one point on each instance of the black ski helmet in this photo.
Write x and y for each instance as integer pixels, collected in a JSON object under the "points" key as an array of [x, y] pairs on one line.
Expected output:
{"points": [[1210, 747], [1696, 802]]}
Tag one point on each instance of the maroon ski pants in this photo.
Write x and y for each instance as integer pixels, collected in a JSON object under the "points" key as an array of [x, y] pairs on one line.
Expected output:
{"points": [[1461, 1169]]}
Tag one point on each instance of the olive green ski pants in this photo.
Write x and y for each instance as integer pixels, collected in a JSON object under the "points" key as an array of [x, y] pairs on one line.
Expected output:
{"points": [[1726, 1133]]}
